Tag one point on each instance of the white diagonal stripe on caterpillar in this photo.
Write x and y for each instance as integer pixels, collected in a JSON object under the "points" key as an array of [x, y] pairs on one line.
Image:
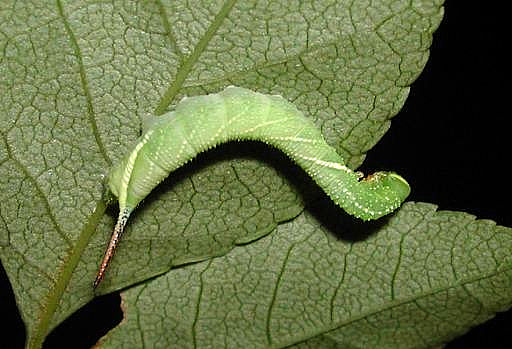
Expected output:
{"points": [[323, 163]]}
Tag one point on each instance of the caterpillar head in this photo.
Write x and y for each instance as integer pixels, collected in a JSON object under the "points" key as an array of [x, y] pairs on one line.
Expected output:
{"points": [[397, 184], [388, 191], [391, 182]]}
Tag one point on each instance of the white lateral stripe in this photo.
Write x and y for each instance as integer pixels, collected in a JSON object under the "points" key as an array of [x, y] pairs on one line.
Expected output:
{"points": [[263, 124], [296, 139], [335, 165], [129, 168]]}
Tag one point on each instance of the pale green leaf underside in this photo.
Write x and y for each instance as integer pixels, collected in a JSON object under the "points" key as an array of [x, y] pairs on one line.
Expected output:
{"points": [[421, 279], [78, 77]]}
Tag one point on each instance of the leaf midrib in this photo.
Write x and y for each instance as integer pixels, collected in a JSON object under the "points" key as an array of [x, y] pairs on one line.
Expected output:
{"points": [[191, 60], [71, 260], [64, 275]]}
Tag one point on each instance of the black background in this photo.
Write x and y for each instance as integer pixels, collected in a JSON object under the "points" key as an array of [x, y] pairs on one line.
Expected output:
{"points": [[451, 141]]}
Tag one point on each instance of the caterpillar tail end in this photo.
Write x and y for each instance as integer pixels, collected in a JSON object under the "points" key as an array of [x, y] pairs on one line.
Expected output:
{"points": [[124, 214]]}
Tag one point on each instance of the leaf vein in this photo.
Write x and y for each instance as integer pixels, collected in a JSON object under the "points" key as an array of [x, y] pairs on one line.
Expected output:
{"points": [[91, 115], [39, 191], [192, 59], [395, 304], [168, 30], [198, 306], [274, 292]]}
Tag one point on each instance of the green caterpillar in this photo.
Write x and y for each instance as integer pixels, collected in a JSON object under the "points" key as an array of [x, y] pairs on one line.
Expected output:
{"points": [[200, 123]]}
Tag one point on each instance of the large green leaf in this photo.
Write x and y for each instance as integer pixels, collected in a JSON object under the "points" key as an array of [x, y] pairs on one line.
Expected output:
{"points": [[79, 77], [416, 281]]}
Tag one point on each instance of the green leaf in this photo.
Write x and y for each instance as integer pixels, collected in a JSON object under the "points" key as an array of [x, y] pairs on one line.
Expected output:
{"points": [[79, 77], [417, 281]]}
